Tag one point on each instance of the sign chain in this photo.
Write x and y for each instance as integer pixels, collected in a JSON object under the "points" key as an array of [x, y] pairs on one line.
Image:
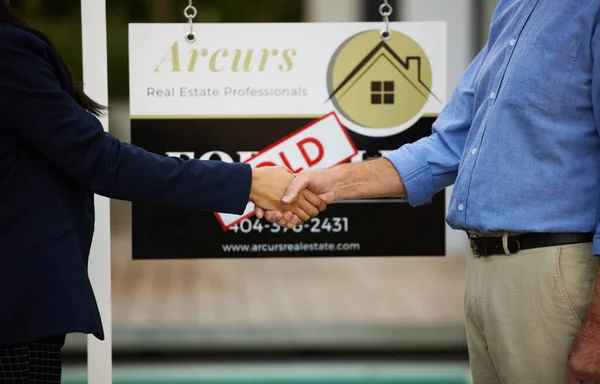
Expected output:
{"points": [[385, 10], [190, 12]]}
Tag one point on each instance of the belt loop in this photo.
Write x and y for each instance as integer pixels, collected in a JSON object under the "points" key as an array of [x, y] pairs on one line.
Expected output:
{"points": [[505, 244], [472, 241]]}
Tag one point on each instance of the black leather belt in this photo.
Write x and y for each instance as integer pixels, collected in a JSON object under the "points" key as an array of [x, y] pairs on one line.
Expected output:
{"points": [[492, 245]]}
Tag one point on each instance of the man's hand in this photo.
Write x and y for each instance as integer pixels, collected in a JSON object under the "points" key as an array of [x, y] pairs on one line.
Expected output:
{"points": [[307, 182], [269, 184], [584, 355], [367, 179]]}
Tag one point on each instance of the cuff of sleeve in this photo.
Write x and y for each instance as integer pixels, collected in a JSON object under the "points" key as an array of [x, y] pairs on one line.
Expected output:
{"points": [[242, 194], [596, 242], [415, 175]]}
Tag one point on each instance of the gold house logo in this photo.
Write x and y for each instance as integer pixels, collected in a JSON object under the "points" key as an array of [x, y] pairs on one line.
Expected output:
{"points": [[379, 84]]}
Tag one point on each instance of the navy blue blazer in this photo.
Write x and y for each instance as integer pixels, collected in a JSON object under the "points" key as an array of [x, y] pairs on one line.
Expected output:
{"points": [[54, 156]]}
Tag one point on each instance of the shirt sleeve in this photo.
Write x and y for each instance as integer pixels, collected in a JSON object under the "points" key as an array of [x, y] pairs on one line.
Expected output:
{"points": [[37, 110], [431, 164], [595, 46]]}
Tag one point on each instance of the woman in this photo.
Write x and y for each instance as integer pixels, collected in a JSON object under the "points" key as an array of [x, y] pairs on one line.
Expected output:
{"points": [[54, 155]]}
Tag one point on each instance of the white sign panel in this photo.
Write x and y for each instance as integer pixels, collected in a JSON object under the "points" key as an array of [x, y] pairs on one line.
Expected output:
{"points": [[303, 95]]}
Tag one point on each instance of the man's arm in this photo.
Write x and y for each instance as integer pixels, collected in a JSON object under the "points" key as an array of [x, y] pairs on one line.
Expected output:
{"points": [[595, 47], [373, 178], [594, 307], [584, 355], [416, 171]]}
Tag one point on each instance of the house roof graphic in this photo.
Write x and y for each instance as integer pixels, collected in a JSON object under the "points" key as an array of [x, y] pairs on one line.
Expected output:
{"points": [[402, 66]]}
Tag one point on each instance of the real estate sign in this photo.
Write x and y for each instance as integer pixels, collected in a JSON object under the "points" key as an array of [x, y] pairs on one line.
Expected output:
{"points": [[303, 95]]}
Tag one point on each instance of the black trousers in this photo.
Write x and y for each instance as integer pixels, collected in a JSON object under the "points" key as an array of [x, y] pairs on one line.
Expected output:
{"points": [[36, 362]]}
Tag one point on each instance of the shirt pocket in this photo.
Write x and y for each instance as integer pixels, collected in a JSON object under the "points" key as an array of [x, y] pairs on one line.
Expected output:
{"points": [[542, 72]]}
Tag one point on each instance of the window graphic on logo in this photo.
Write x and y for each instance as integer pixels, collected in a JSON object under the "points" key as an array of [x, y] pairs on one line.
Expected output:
{"points": [[382, 92]]}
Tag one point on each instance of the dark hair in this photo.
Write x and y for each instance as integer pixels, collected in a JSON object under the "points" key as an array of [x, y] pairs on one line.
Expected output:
{"points": [[9, 17]]}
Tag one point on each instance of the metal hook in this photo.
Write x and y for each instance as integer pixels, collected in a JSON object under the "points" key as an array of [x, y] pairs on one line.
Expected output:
{"points": [[385, 10], [190, 12]]}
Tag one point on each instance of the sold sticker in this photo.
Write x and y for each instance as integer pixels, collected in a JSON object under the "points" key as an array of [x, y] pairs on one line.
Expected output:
{"points": [[321, 144]]}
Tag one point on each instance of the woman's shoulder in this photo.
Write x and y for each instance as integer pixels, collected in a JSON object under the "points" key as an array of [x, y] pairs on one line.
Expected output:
{"points": [[11, 35], [7, 30]]}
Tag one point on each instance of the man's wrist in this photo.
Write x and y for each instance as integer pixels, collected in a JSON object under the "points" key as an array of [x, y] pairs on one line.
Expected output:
{"points": [[590, 329], [368, 179], [592, 318], [338, 177]]}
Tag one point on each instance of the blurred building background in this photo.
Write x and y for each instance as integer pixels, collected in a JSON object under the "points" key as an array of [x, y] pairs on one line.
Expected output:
{"points": [[361, 320]]}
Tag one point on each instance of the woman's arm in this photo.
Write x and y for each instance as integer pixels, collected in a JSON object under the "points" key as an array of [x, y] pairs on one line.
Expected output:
{"points": [[35, 107]]}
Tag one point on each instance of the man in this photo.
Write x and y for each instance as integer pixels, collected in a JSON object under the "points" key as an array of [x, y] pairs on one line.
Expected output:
{"points": [[519, 140]]}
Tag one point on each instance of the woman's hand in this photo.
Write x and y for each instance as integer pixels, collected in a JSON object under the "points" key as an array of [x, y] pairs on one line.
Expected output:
{"points": [[316, 183], [269, 184]]}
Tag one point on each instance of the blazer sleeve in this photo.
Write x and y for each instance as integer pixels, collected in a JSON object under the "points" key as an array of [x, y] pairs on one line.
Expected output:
{"points": [[42, 115]]}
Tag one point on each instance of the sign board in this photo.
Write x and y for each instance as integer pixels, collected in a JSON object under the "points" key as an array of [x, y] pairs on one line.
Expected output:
{"points": [[304, 95]]}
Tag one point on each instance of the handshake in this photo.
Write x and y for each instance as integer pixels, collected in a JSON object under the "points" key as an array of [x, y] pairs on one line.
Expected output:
{"points": [[287, 199]]}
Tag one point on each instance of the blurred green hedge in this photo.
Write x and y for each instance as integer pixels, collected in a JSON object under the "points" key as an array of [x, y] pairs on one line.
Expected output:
{"points": [[61, 20]]}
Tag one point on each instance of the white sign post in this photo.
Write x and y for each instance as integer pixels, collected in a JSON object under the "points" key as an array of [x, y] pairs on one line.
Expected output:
{"points": [[95, 76]]}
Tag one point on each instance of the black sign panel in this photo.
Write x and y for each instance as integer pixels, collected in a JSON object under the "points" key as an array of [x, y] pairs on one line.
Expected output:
{"points": [[379, 227]]}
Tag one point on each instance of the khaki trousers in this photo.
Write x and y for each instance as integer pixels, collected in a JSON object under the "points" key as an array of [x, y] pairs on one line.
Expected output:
{"points": [[523, 311]]}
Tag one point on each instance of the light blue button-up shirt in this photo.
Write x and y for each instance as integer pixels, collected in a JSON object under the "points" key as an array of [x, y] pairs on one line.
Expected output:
{"points": [[519, 138]]}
